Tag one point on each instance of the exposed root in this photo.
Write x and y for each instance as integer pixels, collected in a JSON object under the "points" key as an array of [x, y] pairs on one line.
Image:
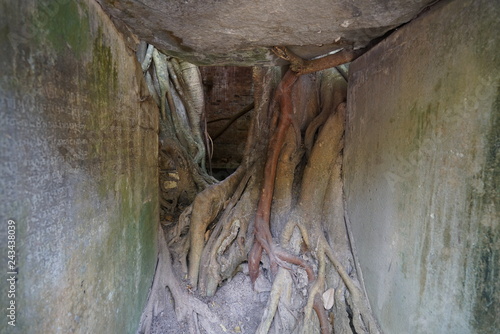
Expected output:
{"points": [[323, 157], [316, 283], [332, 93], [187, 80], [282, 282], [229, 243], [219, 230], [206, 207], [262, 220], [187, 307], [302, 66]]}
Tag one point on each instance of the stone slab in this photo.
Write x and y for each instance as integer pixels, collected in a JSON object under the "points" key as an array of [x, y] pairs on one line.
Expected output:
{"points": [[78, 166], [422, 171]]}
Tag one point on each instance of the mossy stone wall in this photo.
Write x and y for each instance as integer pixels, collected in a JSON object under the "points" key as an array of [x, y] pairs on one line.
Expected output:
{"points": [[78, 166], [422, 171]]}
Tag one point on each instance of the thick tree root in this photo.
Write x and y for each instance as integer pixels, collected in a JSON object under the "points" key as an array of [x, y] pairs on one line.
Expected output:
{"points": [[362, 319], [205, 209], [263, 238], [303, 66], [187, 307], [219, 230]]}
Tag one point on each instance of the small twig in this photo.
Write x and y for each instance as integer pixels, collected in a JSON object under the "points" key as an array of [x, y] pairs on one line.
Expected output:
{"points": [[144, 98]]}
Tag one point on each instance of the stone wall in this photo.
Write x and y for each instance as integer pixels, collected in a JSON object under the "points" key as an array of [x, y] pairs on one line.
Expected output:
{"points": [[78, 165], [422, 171]]}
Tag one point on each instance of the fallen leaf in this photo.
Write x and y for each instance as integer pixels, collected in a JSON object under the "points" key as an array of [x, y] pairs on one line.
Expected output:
{"points": [[328, 298]]}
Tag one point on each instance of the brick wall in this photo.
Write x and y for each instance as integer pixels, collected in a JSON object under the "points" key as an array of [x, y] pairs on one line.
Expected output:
{"points": [[228, 90]]}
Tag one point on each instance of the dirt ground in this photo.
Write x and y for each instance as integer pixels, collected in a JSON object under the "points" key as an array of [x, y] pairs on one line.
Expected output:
{"points": [[236, 303]]}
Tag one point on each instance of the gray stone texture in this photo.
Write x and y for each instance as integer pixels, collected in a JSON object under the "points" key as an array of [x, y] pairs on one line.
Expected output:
{"points": [[422, 171], [78, 166], [240, 32]]}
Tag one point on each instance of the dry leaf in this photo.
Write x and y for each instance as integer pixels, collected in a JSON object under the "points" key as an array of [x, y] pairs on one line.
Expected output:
{"points": [[328, 298]]}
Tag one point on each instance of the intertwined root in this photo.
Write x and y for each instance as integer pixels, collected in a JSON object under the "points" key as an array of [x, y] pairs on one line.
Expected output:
{"points": [[237, 217], [305, 252], [187, 307], [314, 239]]}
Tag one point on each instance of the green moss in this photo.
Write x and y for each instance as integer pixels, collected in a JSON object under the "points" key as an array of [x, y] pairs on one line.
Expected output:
{"points": [[132, 243], [486, 206], [65, 24], [147, 235], [103, 75]]}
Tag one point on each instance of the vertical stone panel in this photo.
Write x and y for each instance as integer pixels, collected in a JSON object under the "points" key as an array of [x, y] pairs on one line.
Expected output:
{"points": [[422, 171], [78, 166]]}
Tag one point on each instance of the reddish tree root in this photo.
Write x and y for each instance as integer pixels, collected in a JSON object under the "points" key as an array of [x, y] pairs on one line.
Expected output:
{"points": [[303, 66], [263, 238]]}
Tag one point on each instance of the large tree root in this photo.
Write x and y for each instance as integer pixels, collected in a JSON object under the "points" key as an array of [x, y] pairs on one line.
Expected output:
{"points": [[307, 220], [263, 238], [190, 233], [205, 209], [219, 230], [303, 66], [283, 96], [262, 230], [187, 307]]}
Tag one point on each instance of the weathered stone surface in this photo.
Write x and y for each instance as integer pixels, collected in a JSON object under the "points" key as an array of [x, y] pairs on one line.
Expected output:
{"points": [[78, 166], [422, 171], [240, 32]]}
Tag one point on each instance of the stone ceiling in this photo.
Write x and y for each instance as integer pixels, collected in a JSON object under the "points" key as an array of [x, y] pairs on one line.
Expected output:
{"points": [[240, 32]]}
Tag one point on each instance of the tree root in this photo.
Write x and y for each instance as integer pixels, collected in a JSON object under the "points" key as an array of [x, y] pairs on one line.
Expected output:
{"points": [[205, 209], [263, 238], [304, 250], [281, 285], [362, 319], [302, 66], [187, 307], [332, 93], [187, 81]]}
